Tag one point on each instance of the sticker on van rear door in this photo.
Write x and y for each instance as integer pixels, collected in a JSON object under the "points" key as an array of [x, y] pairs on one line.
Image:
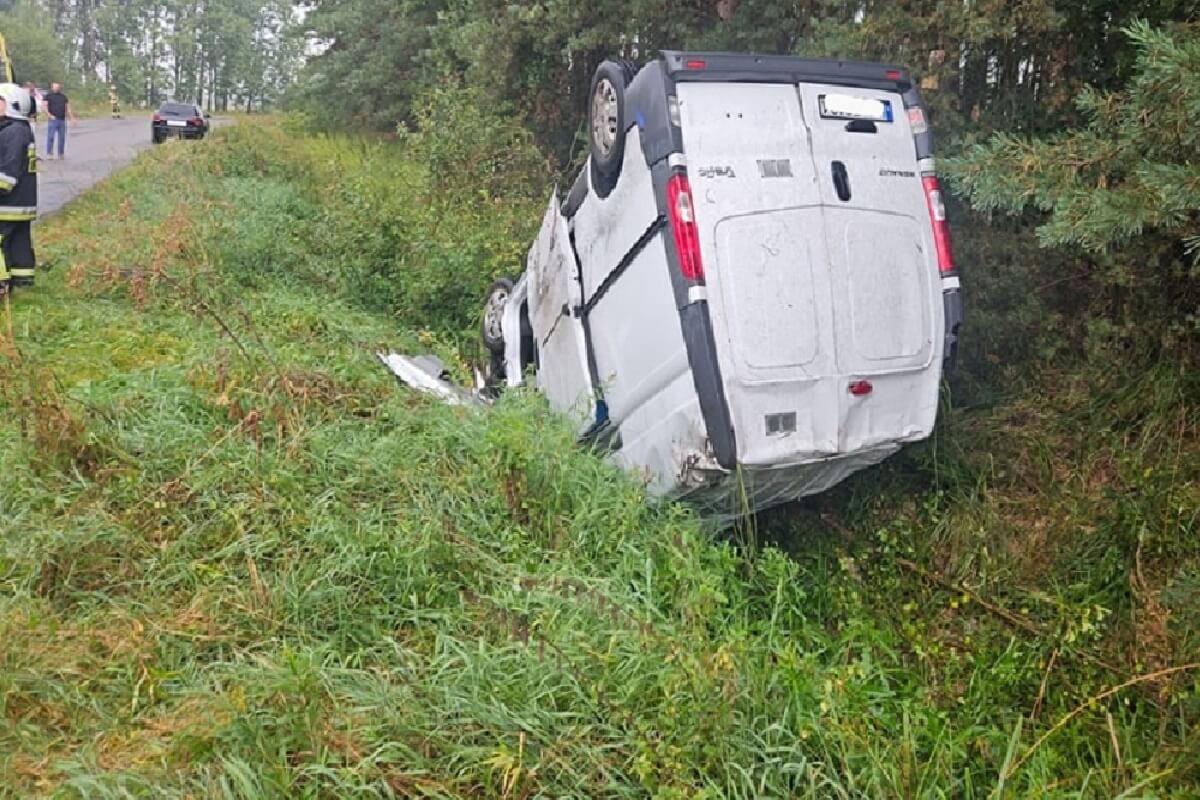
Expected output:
{"points": [[775, 167]]}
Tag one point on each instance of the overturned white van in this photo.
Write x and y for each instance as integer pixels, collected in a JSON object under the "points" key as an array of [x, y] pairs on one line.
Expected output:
{"points": [[748, 294]]}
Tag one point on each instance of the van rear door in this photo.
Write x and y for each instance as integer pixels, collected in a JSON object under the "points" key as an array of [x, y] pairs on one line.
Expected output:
{"points": [[770, 293], [819, 273], [757, 203], [881, 256]]}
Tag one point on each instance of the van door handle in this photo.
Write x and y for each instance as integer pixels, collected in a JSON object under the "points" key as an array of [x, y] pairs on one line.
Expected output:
{"points": [[841, 181]]}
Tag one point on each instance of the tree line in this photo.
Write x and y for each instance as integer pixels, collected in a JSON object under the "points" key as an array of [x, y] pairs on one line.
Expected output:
{"points": [[220, 53]]}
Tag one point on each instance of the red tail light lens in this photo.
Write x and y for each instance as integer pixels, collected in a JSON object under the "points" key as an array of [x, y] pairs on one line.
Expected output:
{"points": [[696, 64], [941, 230], [158, 118], [893, 74], [682, 213], [196, 121]]}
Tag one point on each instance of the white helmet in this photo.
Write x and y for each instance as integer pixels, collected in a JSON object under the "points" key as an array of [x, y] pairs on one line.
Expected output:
{"points": [[16, 100]]}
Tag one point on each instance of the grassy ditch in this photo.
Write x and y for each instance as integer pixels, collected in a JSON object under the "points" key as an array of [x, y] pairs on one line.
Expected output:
{"points": [[237, 560]]}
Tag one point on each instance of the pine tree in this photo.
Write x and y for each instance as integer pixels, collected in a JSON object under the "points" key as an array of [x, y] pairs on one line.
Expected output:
{"points": [[1123, 187]]}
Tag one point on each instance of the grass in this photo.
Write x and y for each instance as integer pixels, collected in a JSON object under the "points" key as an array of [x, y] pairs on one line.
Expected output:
{"points": [[237, 560]]}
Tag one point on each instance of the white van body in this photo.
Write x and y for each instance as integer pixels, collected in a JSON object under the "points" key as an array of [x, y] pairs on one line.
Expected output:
{"points": [[811, 346]]}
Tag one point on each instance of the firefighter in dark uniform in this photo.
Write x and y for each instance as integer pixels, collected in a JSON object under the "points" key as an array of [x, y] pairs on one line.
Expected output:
{"points": [[18, 188]]}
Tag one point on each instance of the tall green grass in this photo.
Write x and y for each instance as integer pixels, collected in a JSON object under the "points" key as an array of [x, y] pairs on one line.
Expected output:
{"points": [[237, 560], [415, 228]]}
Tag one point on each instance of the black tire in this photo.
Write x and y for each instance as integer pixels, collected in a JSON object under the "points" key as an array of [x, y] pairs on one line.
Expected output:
{"points": [[494, 377], [606, 124], [493, 313]]}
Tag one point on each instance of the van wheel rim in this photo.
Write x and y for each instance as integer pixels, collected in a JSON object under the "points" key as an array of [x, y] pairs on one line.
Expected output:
{"points": [[604, 115], [494, 313]]}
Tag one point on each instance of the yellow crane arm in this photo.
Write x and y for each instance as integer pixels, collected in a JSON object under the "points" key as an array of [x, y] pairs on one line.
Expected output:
{"points": [[5, 61]]}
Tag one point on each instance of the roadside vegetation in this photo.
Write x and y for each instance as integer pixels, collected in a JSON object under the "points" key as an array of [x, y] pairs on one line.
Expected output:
{"points": [[237, 560]]}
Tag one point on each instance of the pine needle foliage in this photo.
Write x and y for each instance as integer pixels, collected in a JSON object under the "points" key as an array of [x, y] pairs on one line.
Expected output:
{"points": [[1124, 187]]}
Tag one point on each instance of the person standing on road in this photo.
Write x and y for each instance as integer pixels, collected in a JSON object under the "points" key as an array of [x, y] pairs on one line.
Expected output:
{"points": [[58, 108], [18, 188]]}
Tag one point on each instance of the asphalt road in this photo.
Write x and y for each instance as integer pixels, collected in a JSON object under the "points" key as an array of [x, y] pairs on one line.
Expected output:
{"points": [[95, 149]]}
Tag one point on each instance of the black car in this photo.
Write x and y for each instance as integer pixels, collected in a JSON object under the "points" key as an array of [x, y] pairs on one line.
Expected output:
{"points": [[185, 120]]}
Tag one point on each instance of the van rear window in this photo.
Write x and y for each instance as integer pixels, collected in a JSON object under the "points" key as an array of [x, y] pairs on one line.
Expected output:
{"points": [[847, 106]]}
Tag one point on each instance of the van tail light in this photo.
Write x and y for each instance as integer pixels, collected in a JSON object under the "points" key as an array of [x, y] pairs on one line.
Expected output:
{"points": [[158, 118], [196, 121], [916, 120], [682, 213], [941, 230], [696, 64]]}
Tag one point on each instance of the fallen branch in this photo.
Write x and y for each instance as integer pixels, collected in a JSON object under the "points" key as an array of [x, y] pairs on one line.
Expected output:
{"points": [[1011, 617], [1150, 676], [1041, 695]]}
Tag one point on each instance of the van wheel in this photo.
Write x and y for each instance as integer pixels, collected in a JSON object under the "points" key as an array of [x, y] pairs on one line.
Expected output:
{"points": [[493, 314], [606, 122], [494, 377]]}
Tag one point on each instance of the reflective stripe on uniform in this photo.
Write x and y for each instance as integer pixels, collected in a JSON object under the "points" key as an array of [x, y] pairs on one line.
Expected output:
{"points": [[3, 263], [17, 213], [6, 178], [21, 272]]}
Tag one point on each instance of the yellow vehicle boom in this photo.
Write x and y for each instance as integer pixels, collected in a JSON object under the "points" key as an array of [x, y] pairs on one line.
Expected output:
{"points": [[5, 61]]}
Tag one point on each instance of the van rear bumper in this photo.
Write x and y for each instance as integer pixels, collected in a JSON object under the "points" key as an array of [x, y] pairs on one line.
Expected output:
{"points": [[722, 497], [953, 309]]}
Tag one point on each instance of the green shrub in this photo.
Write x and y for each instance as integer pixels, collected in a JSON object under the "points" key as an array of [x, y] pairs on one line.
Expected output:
{"points": [[415, 228], [422, 226], [272, 230]]}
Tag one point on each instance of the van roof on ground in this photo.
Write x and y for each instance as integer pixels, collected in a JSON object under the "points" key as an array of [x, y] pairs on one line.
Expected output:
{"points": [[732, 67]]}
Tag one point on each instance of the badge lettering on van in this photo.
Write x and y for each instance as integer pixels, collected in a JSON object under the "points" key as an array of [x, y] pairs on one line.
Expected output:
{"points": [[897, 173], [775, 168], [717, 172]]}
